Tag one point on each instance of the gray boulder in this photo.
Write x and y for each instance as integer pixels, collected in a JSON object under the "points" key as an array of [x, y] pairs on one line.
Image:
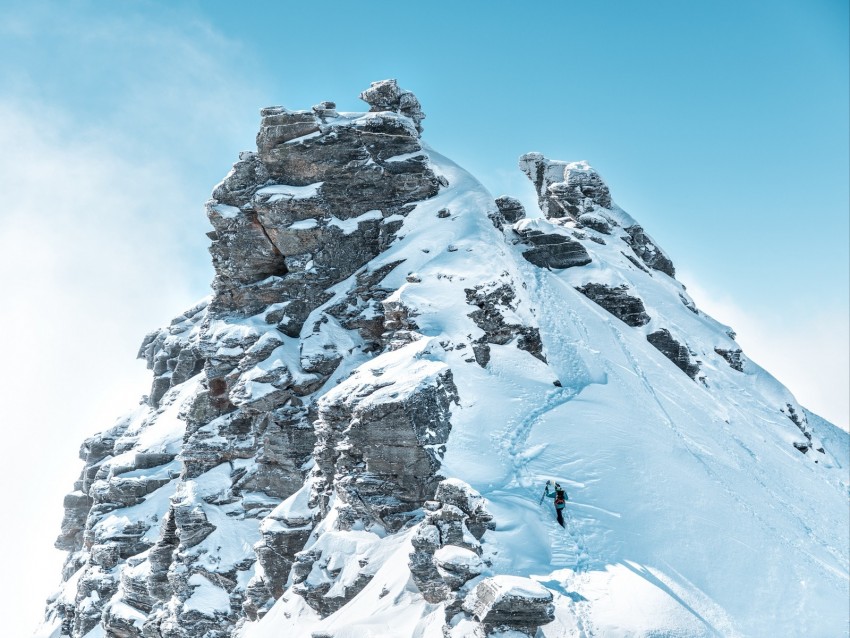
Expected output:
{"points": [[552, 250], [510, 603], [511, 209], [616, 300], [386, 95], [648, 252], [673, 350]]}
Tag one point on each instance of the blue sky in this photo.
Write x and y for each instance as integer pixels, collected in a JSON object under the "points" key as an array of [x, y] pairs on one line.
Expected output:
{"points": [[721, 126]]}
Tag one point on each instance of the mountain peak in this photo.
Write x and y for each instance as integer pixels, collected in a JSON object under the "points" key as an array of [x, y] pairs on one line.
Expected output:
{"points": [[353, 436], [565, 189], [386, 95]]}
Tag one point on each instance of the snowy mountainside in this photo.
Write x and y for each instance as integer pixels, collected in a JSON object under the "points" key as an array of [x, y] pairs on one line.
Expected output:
{"points": [[351, 436]]}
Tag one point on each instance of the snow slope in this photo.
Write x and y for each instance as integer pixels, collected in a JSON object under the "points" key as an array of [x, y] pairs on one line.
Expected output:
{"points": [[690, 512]]}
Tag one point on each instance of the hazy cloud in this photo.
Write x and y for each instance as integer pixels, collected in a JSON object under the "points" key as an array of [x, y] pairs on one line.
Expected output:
{"points": [[806, 350], [101, 240]]}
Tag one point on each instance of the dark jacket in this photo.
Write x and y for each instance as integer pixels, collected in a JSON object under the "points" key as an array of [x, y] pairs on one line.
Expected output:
{"points": [[560, 503]]}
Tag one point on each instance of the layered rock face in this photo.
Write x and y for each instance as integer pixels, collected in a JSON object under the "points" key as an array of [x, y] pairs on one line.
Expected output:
{"points": [[227, 434]]}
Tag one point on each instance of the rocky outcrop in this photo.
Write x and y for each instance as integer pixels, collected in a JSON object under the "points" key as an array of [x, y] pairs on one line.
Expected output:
{"points": [[493, 303], [446, 545], [574, 192], [322, 195], [511, 209], [616, 300], [673, 350], [809, 442], [648, 252], [733, 357], [380, 442], [565, 189], [172, 353], [508, 211], [387, 96], [284, 533], [554, 249], [510, 603]]}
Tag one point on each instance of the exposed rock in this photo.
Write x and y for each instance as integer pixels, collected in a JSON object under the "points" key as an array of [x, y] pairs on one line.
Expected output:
{"points": [[446, 544], [492, 303], [565, 189], [510, 603], [387, 96], [648, 252], [552, 250], [511, 208], [77, 506], [325, 578], [616, 300], [595, 221], [363, 309], [280, 125], [457, 565], [309, 208], [733, 358], [286, 441], [459, 494], [689, 304], [325, 110], [172, 353], [161, 557], [399, 324], [636, 262], [673, 350], [381, 442], [284, 533]]}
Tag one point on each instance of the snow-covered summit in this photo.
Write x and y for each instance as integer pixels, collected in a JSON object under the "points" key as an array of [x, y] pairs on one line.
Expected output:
{"points": [[352, 436]]}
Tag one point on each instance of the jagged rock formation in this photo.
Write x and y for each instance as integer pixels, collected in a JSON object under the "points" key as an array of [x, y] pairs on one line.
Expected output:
{"points": [[322, 196], [618, 302], [673, 350], [551, 249], [733, 358], [349, 433], [511, 208], [565, 189], [446, 545], [510, 604], [493, 302]]}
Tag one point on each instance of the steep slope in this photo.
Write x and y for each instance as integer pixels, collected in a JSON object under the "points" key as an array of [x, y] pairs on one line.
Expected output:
{"points": [[351, 437]]}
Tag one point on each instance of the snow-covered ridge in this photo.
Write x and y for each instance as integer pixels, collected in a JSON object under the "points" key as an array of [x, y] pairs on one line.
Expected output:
{"points": [[352, 436]]}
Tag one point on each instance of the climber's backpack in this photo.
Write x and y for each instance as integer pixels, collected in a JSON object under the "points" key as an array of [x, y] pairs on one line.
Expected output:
{"points": [[560, 497]]}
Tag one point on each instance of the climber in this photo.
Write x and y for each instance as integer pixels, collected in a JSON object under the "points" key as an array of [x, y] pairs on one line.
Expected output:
{"points": [[561, 498]]}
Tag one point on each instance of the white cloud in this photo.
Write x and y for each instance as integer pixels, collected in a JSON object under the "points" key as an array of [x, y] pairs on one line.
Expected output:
{"points": [[101, 240], [87, 265], [806, 350]]}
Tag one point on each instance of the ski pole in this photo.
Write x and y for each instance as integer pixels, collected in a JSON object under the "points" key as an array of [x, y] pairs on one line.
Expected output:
{"points": [[545, 489]]}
